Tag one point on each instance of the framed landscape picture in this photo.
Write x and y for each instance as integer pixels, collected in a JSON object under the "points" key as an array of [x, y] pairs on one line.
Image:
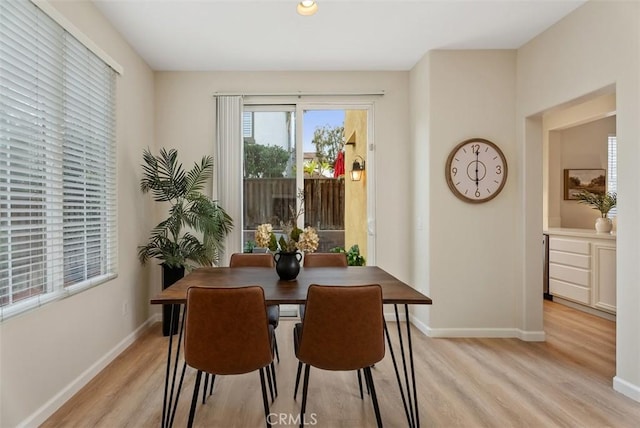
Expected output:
{"points": [[577, 180]]}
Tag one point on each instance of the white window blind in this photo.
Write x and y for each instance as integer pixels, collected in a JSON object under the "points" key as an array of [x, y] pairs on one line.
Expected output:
{"points": [[57, 162], [612, 170]]}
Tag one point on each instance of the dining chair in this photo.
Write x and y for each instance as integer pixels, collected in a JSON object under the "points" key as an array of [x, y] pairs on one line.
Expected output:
{"points": [[226, 333], [259, 260], [325, 260], [343, 329], [322, 260], [273, 313]]}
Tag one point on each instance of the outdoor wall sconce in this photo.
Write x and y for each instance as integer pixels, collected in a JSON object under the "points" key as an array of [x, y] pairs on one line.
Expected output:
{"points": [[357, 169]]}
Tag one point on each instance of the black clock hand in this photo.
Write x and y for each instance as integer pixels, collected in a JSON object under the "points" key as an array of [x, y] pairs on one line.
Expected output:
{"points": [[477, 159]]}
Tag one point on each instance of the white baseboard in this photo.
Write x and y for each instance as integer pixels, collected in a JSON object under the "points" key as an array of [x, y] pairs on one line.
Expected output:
{"points": [[583, 308], [420, 326], [474, 332], [505, 333], [50, 407], [527, 336], [532, 336], [626, 388]]}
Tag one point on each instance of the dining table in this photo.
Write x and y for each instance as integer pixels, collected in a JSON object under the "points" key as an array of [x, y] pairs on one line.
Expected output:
{"points": [[276, 291]]}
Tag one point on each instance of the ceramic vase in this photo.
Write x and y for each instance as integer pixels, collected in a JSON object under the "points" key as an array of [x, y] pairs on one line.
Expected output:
{"points": [[603, 225], [287, 265]]}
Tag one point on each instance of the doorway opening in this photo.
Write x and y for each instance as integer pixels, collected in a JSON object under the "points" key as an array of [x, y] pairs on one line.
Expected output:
{"points": [[579, 141]]}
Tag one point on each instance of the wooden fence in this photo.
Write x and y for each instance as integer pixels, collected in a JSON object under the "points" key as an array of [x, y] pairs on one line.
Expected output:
{"points": [[268, 200]]}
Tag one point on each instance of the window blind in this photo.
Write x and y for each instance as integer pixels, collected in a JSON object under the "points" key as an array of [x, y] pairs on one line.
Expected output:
{"points": [[612, 170], [57, 162]]}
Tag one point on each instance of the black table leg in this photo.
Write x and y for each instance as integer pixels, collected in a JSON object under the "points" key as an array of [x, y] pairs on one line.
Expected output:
{"points": [[170, 399], [407, 385]]}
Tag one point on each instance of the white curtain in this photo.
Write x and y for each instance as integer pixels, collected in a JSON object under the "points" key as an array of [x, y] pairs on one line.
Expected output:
{"points": [[228, 185]]}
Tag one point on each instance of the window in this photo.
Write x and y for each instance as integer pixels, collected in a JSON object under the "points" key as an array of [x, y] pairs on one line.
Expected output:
{"points": [[57, 162], [278, 163], [612, 170]]}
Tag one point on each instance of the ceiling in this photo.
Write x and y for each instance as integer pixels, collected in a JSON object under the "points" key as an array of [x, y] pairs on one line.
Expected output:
{"points": [[268, 35]]}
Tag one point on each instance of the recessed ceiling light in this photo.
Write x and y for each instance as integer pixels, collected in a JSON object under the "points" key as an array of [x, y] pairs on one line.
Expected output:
{"points": [[307, 7]]}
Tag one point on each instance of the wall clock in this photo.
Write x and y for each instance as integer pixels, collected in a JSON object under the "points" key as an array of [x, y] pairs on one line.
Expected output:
{"points": [[476, 170]]}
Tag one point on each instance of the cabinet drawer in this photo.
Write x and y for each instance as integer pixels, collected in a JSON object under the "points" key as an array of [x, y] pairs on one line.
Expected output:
{"points": [[570, 274], [569, 259], [570, 291], [569, 245]]}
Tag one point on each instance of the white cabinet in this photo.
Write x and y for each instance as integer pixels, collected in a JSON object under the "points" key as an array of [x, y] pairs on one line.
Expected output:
{"points": [[582, 268], [570, 269], [604, 274]]}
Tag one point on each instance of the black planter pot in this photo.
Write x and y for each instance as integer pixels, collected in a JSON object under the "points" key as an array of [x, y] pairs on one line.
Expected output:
{"points": [[169, 277]]}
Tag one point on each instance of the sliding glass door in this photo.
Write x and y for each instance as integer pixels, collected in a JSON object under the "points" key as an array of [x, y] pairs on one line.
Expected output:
{"points": [[291, 151], [269, 169]]}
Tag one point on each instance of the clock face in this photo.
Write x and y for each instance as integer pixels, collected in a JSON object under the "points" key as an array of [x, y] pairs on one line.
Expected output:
{"points": [[476, 170]]}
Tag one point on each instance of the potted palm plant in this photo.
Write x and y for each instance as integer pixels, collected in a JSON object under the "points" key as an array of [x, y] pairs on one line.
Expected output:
{"points": [[602, 202], [194, 231]]}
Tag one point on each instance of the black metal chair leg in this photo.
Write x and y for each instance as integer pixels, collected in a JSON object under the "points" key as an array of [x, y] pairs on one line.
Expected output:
{"points": [[295, 391], [374, 398], [273, 375], [265, 400], [305, 387], [270, 385], [275, 347], [194, 400], [213, 379], [204, 390], [360, 385]]}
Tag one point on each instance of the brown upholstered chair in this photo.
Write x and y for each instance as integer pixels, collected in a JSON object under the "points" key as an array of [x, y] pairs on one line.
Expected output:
{"points": [[343, 329], [259, 260], [322, 260], [273, 313], [325, 260], [251, 260], [227, 332]]}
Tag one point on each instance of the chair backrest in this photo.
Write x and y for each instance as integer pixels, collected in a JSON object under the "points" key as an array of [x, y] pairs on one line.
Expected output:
{"points": [[251, 260], [227, 330], [325, 260], [343, 327]]}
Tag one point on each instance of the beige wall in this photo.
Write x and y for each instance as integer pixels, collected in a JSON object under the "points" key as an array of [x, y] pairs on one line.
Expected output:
{"points": [[185, 111], [472, 268], [554, 123], [48, 353], [595, 47], [581, 147], [480, 263], [355, 208]]}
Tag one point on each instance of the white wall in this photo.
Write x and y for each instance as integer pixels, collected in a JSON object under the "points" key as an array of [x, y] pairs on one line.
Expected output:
{"points": [[185, 111], [270, 129], [472, 249], [595, 47], [46, 354]]}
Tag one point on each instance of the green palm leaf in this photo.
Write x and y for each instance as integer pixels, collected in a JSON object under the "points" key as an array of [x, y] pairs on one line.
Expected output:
{"points": [[206, 223]]}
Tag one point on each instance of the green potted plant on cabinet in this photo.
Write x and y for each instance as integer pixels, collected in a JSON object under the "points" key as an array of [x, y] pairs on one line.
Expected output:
{"points": [[194, 231], [602, 202]]}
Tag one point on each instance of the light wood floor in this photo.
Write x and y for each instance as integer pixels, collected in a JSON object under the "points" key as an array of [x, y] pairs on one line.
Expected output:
{"points": [[563, 382]]}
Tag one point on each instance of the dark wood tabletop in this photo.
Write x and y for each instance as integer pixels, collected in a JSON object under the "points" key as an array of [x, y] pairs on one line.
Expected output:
{"points": [[292, 292]]}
